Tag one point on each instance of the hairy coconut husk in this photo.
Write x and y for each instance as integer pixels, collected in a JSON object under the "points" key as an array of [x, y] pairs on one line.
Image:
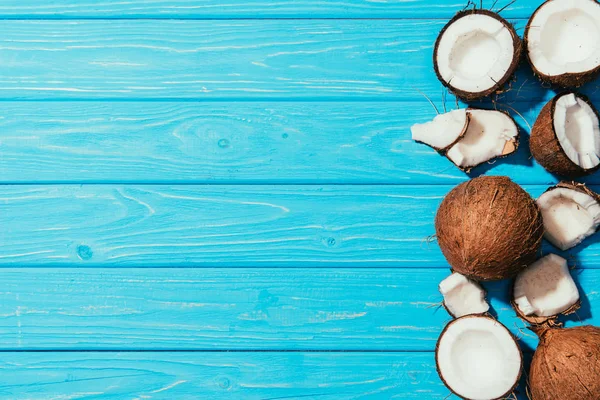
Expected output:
{"points": [[566, 364], [489, 228], [546, 148], [497, 88], [567, 80]]}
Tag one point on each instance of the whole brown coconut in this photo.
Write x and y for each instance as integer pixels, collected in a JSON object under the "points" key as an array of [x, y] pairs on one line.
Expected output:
{"points": [[546, 147], [489, 228], [566, 364]]}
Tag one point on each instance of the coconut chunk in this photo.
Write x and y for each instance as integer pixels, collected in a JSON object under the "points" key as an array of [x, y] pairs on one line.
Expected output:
{"points": [[577, 129], [563, 41], [546, 288], [463, 296], [565, 138], [478, 358], [444, 131], [490, 134], [571, 213], [476, 53]]}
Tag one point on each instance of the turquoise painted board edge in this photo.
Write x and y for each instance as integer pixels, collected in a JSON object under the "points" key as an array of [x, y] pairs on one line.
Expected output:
{"points": [[237, 143], [263, 309], [230, 226], [209, 9], [222, 376], [246, 60]]}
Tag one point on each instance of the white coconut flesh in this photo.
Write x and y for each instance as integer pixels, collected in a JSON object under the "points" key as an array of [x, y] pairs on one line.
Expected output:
{"points": [[545, 288], [564, 37], [444, 130], [578, 130], [478, 358], [475, 53], [463, 296], [570, 216], [490, 134]]}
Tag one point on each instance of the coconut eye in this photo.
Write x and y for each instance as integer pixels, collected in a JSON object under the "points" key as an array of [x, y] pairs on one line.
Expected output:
{"points": [[563, 41], [476, 53]]}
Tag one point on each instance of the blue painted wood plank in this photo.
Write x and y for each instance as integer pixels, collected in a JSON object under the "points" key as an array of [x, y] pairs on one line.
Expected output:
{"points": [[249, 9], [264, 376], [241, 309], [225, 60], [242, 142], [230, 226]]}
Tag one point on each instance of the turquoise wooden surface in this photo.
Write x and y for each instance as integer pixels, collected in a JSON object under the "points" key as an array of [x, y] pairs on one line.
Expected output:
{"points": [[209, 200], [256, 9]]}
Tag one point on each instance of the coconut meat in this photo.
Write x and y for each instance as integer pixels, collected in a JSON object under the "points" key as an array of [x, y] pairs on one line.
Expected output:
{"points": [[463, 296], [475, 53], [490, 134], [545, 288], [564, 37], [570, 216], [443, 131], [577, 129], [478, 358]]}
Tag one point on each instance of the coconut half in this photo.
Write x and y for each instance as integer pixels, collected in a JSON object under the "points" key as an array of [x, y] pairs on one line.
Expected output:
{"points": [[489, 134], [565, 139], [444, 131], [563, 41], [478, 358], [571, 213], [476, 53], [545, 290], [462, 296]]}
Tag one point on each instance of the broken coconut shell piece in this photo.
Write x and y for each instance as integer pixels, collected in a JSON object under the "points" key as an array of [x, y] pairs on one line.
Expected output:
{"points": [[489, 228], [490, 134], [566, 364], [476, 54], [545, 290], [565, 139], [462, 296], [444, 131], [478, 358], [563, 42], [571, 213]]}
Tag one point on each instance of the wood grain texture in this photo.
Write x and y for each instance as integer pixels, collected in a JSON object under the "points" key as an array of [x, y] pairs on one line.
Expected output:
{"points": [[248, 9], [264, 376], [235, 142], [230, 226], [226, 60], [241, 309]]}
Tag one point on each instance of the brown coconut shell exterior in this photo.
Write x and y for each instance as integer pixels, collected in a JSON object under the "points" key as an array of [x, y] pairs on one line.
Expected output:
{"points": [[567, 80], [546, 148], [510, 147], [437, 346], [535, 320], [566, 364], [517, 53], [489, 228]]}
